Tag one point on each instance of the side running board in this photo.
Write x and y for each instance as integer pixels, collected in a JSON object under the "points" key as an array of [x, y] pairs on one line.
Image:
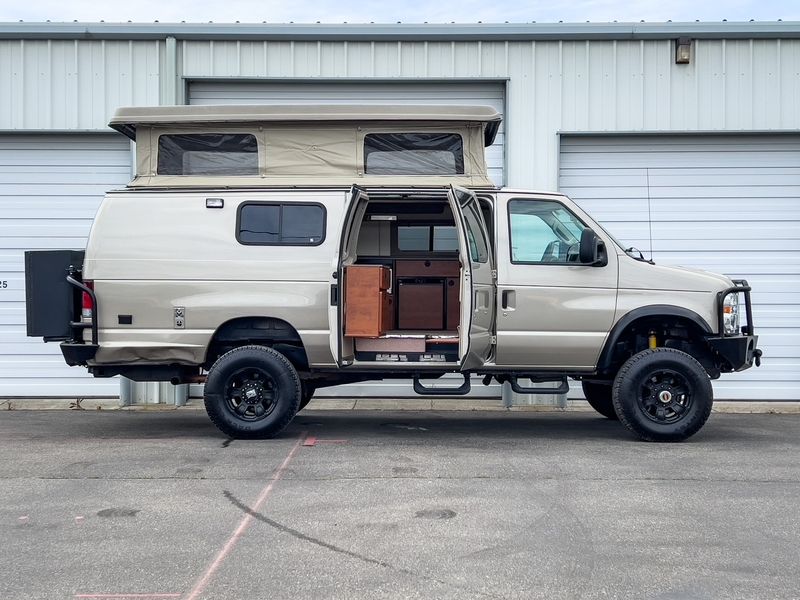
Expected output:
{"points": [[563, 388], [464, 388]]}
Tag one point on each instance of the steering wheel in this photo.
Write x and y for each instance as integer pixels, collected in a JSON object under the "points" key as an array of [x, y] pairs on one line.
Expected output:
{"points": [[574, 252], [551, 253]]}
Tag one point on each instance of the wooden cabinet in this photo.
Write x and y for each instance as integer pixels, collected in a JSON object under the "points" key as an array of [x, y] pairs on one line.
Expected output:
{"points": [[368, 306], [427, 268], [427, 294]]}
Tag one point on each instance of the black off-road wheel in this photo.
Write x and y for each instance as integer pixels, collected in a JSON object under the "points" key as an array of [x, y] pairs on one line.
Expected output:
{"points": [[662, 395], [308, 393], [252, 392], [598, 395]]}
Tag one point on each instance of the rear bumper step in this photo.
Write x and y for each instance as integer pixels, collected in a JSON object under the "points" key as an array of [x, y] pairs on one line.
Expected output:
{"points": [[78, 354]]}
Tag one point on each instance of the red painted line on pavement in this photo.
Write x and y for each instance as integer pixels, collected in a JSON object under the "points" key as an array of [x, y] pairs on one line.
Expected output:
{"points": [[127, 595], [204, 580], [313, 441]]}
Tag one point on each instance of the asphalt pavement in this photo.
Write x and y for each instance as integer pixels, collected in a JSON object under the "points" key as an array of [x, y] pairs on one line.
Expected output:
{"points": [[380, 504]]}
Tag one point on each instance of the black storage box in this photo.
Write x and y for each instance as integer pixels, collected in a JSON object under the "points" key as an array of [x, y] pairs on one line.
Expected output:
{"points": [[51, 303]]}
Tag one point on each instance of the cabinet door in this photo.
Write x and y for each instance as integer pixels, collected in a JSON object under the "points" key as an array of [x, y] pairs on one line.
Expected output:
{"points": [[420, 306], [452, 304]]}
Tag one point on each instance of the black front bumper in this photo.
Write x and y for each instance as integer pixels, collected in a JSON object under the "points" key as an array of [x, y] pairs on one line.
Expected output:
{"points": [[738, 352]]}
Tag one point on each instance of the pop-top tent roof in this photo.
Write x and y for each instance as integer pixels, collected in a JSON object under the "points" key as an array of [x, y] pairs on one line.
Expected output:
{"points": [[126, 119]]}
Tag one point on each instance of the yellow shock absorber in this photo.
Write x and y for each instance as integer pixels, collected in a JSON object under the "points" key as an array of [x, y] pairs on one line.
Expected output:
{"points": [[652, 342]]}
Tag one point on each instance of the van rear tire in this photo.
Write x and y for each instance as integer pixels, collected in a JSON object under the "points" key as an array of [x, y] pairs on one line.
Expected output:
{"points": [[308, 393], [252, 392], [598, 395]]}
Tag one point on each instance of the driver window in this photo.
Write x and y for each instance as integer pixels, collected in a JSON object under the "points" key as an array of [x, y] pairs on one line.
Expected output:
{"points": [[543, 232]]}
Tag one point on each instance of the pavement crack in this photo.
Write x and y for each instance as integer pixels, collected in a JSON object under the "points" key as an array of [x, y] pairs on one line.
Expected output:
{"points": [[323, 544]]}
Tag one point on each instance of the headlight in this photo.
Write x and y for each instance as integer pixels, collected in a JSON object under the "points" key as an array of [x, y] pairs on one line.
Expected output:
{"points": [[730, 313]]}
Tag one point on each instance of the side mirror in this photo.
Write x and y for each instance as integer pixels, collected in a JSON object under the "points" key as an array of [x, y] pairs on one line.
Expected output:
{"points": [[592, 251]]}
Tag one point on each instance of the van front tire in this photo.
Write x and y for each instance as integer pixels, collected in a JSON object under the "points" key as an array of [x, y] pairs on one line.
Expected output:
{"points": [[252, 392], [662, 395]]}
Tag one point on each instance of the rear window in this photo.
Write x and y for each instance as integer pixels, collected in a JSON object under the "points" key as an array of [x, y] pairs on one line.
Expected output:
{"points": [[208, 154], [413, 154], [427, 238], [273, 224]]}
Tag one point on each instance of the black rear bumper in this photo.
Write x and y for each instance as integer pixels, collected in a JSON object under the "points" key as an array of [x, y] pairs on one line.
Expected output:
{"points": [[76, 354]]}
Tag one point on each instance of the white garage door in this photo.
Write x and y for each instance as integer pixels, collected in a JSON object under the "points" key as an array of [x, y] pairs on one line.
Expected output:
{"points": [[487, 94], [729, 204], [50, 188]]}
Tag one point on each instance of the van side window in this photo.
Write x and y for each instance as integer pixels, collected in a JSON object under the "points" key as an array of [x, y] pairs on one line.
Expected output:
{"points": [[208, 154], [271, 224], [413, 154], [543, 232]]}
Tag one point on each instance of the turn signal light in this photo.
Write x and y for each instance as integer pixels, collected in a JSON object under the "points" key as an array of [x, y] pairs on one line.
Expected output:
{"points": [[87, 305]]}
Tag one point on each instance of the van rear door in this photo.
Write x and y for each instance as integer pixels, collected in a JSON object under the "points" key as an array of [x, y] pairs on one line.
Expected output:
{"points": [[477, 281]]}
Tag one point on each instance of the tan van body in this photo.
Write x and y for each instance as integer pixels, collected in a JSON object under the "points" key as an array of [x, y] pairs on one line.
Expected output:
{"points": [[203, 255]]}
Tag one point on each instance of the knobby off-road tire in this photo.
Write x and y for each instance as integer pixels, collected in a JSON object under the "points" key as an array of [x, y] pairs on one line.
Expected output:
{"points": [[598, 395], [662, 395], [252, 392], [307, 394]]}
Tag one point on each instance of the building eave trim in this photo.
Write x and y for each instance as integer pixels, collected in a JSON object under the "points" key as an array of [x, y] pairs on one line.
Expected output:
{"points": [[401, 31]]}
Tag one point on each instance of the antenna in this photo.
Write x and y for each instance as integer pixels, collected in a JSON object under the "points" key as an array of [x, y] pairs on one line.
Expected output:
{"points": [[649, 215]]}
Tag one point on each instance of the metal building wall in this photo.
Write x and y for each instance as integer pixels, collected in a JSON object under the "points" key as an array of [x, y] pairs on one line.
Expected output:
{"points": [[553, 86], [75, 84]]}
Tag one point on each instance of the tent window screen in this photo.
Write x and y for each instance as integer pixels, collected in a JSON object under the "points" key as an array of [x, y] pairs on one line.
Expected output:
{"points": [[413, 154], [267, 224], [208, 154]]}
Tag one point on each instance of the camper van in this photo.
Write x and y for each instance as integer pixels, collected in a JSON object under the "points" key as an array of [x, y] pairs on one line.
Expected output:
{"points": [[269, 251]]}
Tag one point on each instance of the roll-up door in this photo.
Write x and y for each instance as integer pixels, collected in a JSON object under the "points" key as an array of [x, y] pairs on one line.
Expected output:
{"points": [[724, 203], [50, 189]]}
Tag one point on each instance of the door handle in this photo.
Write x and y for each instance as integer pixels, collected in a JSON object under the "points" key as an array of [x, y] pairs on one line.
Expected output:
{"points": [[508, 300]]}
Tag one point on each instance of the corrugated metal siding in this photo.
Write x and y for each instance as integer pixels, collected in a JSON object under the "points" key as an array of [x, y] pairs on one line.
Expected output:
{"points": [[487, 93], [554, 86], [50, 189], [728, 204], [624, 85], [75, 84]]}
